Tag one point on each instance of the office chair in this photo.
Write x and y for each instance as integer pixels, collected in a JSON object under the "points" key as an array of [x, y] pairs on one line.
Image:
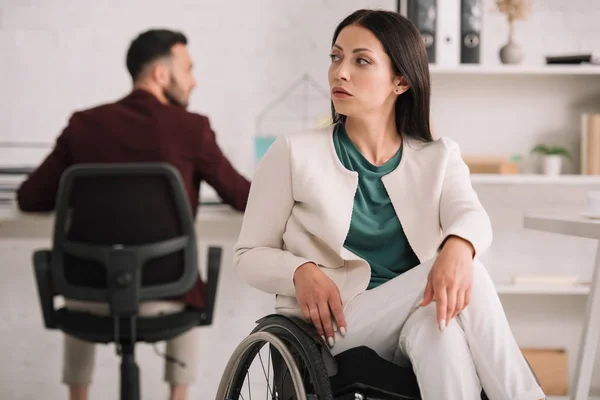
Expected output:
{"points": [[123, 234]]}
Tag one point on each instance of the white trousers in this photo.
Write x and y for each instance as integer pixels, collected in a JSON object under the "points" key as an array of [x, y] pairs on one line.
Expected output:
{"points": [[476, 350]]}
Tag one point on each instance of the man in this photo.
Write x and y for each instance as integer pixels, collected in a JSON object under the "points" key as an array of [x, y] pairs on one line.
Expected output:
{"points": [[151, 124]]}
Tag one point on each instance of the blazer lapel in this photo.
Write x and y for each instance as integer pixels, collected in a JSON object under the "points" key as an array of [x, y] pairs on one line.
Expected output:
{"points": [[404, 186]]}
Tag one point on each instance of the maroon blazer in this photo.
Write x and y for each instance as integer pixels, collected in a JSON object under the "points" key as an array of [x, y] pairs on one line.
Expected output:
{"points": [[139, 128]]}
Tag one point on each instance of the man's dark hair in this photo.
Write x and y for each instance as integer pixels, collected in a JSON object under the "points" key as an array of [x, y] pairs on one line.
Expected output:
{"points": [[150, 46]]}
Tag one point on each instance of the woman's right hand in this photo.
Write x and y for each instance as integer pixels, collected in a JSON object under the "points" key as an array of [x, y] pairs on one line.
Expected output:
{"points": [[319, 298]]}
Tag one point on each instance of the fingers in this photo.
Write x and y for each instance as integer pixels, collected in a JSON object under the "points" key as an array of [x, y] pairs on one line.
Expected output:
{"points": [[451, 295], [428, 295], [315, 317], [441, 302], [319, 304], [326, 321], [335, 304], [460, 303], [463, 300], [333, 308], [467, 298]]}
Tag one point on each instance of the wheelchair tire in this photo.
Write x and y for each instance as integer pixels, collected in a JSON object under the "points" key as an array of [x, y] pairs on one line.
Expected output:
{"points": [[242, 357], [305, 348]]}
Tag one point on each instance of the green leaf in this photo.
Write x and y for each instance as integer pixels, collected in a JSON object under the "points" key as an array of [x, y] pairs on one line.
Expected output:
{"points": [[551, 151], [559, 151], [540, 148]]}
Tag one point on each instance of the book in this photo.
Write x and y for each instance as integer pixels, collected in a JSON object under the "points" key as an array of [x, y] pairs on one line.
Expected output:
{"points": [[590, 144], [545, 279], [580, 58], [487, 164]]}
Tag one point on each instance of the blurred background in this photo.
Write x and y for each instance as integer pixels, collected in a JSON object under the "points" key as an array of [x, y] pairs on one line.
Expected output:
{"points": [[261, 67]]}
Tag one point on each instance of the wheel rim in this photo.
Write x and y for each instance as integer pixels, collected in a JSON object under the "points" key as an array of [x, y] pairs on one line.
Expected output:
{"points": [[288, 336], [237, 371]]}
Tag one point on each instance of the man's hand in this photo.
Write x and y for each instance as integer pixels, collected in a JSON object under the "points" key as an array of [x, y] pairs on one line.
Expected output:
{"points": [[450, 280], [319, 298]]}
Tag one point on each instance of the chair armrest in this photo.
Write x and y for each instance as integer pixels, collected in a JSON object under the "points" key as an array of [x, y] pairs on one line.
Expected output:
{"points": [[41, 266], [212, 282]]}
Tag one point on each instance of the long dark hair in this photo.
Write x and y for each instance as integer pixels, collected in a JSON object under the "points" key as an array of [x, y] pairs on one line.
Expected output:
{"points": [[404, 45]]}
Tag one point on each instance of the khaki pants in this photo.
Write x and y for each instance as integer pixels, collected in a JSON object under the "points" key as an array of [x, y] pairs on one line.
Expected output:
{"points": [[79, 355]]}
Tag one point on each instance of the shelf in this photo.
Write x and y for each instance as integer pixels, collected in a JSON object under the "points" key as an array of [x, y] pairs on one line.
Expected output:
{"points": [[593, 70], [543, 289], [520, 179]]}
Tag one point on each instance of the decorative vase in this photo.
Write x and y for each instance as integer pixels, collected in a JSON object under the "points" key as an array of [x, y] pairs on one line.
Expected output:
{"points": [[511, 53], [552, 165]]}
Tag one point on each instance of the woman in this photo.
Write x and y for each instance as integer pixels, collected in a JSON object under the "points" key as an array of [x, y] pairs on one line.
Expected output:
{"points": [[362, 225]]}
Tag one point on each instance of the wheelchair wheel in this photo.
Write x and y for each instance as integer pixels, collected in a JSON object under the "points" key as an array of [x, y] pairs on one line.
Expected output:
{"points": [[295, 369], [236, 372], [306, 354]]}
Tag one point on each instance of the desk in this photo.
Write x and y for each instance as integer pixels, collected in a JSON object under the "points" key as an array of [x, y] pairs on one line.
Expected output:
{"points": [[211, 221], [586, 228], [16, 170]]}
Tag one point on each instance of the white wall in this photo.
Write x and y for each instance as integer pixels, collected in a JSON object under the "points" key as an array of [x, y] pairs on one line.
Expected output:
{"points": [[58, 56], [509, 114], [553, 26], [63, 55]]}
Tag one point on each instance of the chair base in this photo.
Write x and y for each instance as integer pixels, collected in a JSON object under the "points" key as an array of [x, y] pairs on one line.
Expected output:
{"points": [[130, 374]]}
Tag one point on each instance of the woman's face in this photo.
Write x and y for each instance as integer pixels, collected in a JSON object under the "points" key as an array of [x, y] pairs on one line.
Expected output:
{"points": [[361, 77]]}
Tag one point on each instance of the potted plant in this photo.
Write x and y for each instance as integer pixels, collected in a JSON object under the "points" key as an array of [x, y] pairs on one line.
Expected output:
{"points": [[511, 53], [553, 157]]}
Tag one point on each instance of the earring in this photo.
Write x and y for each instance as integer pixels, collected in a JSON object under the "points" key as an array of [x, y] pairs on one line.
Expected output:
{"points": [[397, 90]]}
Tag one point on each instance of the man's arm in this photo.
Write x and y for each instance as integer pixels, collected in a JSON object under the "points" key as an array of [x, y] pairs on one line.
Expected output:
{"points": [[38, 192], [218, 172]]}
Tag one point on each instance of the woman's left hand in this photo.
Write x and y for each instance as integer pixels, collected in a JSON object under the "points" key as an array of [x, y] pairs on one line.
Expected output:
{"points": [[450, 280]]}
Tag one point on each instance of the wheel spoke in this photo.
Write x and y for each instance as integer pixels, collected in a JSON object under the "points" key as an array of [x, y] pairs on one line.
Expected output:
{"points": [[249, 392], [243, 361], [265, 372], [283, 381]]}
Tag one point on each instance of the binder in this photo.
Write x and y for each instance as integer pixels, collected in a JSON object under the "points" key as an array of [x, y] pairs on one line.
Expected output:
{"points": [[422, 13], [441, 35], [470, 31], [448, 33]]}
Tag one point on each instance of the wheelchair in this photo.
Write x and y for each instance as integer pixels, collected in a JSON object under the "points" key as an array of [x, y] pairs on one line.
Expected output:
{"points": [[298, 365]]}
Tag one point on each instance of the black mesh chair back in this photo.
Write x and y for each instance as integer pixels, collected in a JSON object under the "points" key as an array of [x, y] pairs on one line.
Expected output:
{"points": [[123, 234]]}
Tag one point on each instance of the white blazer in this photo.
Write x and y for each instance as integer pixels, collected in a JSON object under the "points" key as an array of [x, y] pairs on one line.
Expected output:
{"points": [[301, 201]]}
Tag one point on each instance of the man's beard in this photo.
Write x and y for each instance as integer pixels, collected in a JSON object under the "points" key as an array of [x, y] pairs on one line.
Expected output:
{"points": [[171, 93]]}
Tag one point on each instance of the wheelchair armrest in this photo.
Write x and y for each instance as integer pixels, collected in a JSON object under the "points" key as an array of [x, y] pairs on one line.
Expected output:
{"points": [[41, 265], [212, 282]]}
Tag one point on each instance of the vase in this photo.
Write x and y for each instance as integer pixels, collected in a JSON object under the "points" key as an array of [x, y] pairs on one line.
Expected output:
{"points": [[511, 52], [552, 165]]}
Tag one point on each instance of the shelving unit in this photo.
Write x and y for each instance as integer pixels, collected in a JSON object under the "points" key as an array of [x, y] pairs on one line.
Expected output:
{"points": [[516, 70], [541, 289], [498, 110], [534, 179]]}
